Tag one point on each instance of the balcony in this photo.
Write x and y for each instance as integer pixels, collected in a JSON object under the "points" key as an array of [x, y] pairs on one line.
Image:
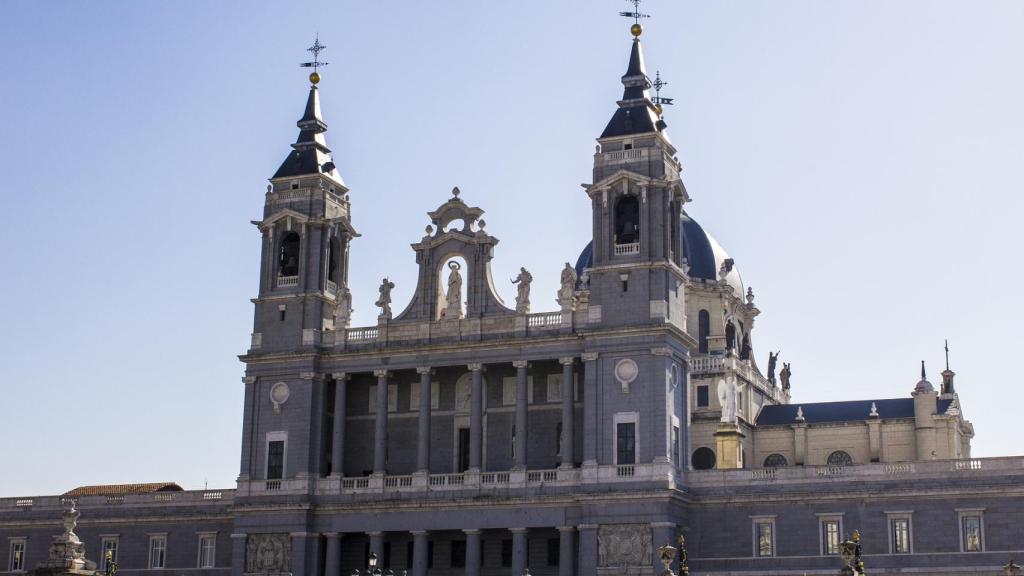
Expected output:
{"points": [[285, 281], [627, 249]]}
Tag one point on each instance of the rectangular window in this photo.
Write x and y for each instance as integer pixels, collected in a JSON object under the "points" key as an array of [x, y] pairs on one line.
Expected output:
{"points": [[702, 396], [207, 550], [506, 553], [275, 460], [108, 550], [830, 537], [17, 562], [764, 537], [387, 555], [674, 453], [458, 553], [508, 391], [971, 539], [158, 551], [625, 443], [554, 551], [900, 531], [430, 554]]}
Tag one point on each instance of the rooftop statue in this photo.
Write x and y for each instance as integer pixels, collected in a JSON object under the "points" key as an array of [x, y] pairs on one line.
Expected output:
{"points": [[773, 360], [343, 308], [567, 291], [384, 302], [785, 375], [523, 296]]}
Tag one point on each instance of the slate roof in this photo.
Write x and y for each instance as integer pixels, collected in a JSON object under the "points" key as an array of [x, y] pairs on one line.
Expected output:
{"points": [[311, 154], [849, 411], [120, 489], [636, 113]]}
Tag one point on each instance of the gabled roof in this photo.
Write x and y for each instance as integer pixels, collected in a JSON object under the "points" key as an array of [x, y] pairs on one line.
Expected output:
{"points": [[848, 411], [121, 489]]}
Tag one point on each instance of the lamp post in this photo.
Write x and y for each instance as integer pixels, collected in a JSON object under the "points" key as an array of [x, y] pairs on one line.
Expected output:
{"points": [[110, 565], [1011, 568], [373, 570], [668, 553], [849, 551]]}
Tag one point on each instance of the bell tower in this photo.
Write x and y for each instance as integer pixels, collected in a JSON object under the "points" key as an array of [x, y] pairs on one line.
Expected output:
{"points": [[637, 270], [306, 230]]}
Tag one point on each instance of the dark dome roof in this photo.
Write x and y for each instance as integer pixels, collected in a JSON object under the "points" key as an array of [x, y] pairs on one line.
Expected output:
{"points": [[703, 253]]}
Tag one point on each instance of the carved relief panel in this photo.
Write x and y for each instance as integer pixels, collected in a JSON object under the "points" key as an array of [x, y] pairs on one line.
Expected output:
{"points": [[268, 554]]}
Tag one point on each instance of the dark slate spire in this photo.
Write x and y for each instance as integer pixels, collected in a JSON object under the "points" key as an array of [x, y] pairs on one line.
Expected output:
{"points": [[637, 113], [311, 154]]}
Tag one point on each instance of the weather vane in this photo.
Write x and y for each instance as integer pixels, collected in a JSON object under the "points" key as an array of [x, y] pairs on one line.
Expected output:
{"points": [[636, 15], [316, 48], [658, 84]]}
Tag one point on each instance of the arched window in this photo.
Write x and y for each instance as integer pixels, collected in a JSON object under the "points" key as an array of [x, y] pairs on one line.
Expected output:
{"points": [[703, 459], [333, 254], [288, 264], [839, 458], [776, 461], [703, 331], [730, 336], [674, 244], [627, 220]]}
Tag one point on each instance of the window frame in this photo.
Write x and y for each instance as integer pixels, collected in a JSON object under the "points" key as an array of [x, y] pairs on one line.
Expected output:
{"points": [[277, 436], [755, 523], [823, 520], [626, 418], [23, 543], [153, 540], [962, 515], [891, 520], [706, 389], [202, 538], [106, 539]]}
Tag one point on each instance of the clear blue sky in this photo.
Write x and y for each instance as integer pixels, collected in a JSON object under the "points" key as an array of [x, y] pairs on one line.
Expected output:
{"points": [[861, 161]]}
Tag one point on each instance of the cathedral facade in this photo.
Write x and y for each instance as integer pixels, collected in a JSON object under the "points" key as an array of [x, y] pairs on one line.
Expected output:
{"points": [[461, 434]]}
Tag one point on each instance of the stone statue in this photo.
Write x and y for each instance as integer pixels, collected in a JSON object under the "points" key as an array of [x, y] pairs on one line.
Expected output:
{"points": [[567, 291], [773, 359], [384, 302], [585, 280], [727, 399], [453, 308], [785, 375], [523, 297], [343, 308]]}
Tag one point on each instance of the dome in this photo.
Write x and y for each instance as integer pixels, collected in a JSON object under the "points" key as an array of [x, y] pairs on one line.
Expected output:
{"points": [[703, 253]]}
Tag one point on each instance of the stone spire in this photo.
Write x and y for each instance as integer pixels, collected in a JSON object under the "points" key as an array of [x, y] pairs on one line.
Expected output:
{"points": [[637, 113], [947, 376], [310, 154]]}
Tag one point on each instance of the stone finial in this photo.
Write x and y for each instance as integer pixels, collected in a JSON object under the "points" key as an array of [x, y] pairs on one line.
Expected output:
{"points": [[750, 296], [456, 192], [800, 414], [874, 410]]}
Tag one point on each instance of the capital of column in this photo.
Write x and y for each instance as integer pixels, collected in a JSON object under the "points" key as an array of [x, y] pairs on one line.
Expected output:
{"points": [[518, 530], [663, 525], [424, 370], [332, 535], [475, 367], [239, 535], [249, 379], [472, 530], [303, 534], [661, 351], [520, 363], [374, 534], [340, 376], [419, 533], [567, 361], [380, 373], [311, 376], [583, 527], [589, 356], [566, 528]]}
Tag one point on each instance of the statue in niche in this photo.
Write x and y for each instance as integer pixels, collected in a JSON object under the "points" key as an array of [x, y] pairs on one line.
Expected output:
{"points": [[453, 299], [746, 348], [567, 291], [343, 308], [384, 302], [773, 360], [727, 399], [785, 375], [523, 296]]}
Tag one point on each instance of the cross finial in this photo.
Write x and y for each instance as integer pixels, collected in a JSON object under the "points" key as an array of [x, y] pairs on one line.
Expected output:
{"points": [[947, 355], [658, 84], [316, 49], [636, 15]]}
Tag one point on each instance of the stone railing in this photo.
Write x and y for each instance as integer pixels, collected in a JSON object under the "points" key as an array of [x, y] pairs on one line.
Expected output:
{"points": [[879, 471], [187, 497], [362, 334], [624, 249], [544, 319], [744, 368], [283, 281]]}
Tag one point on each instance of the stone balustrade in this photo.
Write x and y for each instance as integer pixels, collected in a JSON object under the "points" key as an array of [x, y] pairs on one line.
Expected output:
{"points": [[187, 497]]}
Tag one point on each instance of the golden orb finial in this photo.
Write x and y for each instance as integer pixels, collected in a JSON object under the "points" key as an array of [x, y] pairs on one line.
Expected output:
{"points": [[636, 30], [659, 109], [314, 78]]}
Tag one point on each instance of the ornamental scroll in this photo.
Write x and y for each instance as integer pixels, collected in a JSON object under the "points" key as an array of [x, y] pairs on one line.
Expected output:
{"points": [[268, 554], [624, 545]]}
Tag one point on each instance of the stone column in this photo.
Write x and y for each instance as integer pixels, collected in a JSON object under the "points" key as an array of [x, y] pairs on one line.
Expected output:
{"points": [[419, 553], [238, 541], [376, 547], [338, 447], [476, 419], [661, 533], [332, 565], [588, 549], [522, 413], [300, 553], [472, 552], [380, 437], [590, 401], [568, 408], [566, 548], [518, 550], [247, 427], [423, 453]]}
